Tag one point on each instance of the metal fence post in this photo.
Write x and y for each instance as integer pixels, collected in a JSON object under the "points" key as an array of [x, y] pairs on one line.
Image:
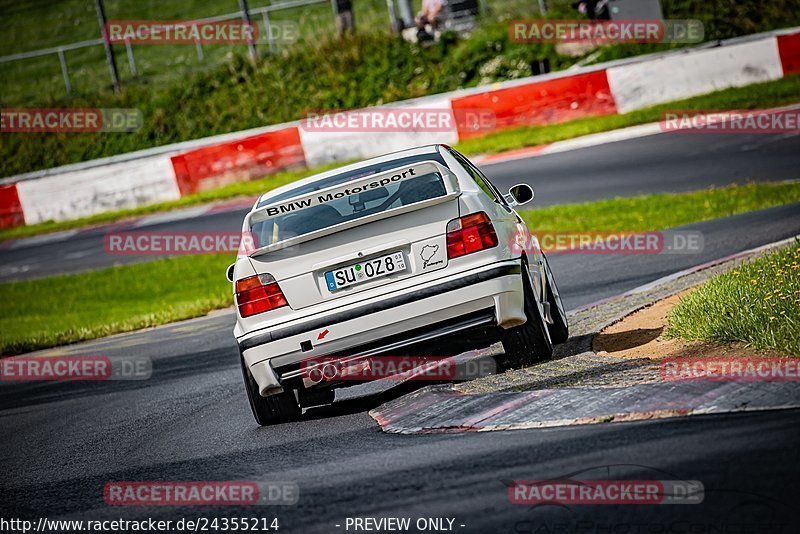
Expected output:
{"points": [[406, 13], [251, 46], [393, 16], [131, 60], [112, 62], [199, 47], [64, 71], [268, 30], [543, 7]]}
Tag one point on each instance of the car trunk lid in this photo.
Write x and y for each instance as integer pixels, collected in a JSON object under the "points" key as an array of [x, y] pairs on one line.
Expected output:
{"points": [[358, 236]]}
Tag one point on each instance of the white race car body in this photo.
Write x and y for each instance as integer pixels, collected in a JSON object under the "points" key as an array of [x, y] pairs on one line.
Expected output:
{"points": [[356, 262]]}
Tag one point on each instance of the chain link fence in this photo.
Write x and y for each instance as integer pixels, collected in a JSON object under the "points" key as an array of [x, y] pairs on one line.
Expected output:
{"points": [[82, 66]]}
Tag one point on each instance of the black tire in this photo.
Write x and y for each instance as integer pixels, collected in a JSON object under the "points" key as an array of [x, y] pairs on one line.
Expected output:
{"points": [[271, 410], [559, 330], [529, 342]]}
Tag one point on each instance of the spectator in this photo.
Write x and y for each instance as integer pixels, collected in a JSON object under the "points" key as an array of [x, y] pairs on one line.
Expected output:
{"points": [[594, 9], [431, 15], [345, 22]]}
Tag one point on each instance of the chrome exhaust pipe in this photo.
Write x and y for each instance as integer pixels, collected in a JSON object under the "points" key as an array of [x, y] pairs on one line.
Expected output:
{"points": [[315, 375], [330, 371]]}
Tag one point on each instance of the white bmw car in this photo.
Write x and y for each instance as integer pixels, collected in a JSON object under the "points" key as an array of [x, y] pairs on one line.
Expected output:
{"points": [[407, 250]]}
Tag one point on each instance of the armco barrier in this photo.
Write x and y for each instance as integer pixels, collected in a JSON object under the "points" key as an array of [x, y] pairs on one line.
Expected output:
{"points": [[169, 172], [666, 79], [81, 193], [542, 102], [212, 166], [326, 147], [10, 208], [789, 48]]}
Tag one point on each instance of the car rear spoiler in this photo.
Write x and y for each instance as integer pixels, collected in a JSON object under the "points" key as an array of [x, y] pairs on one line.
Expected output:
{"points": [[321, 197]]}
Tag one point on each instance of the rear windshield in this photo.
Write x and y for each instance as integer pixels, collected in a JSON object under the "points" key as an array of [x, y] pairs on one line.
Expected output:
{"points": [[349, 176], [371, 198]]}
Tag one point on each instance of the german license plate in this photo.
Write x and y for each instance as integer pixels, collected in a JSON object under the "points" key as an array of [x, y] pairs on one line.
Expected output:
{"points": [[365, 271]]}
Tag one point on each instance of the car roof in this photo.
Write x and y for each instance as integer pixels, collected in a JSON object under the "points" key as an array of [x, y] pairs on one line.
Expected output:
{"points": [[426, 149]]}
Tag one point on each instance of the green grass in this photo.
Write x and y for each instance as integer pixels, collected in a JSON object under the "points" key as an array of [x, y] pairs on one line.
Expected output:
{"points": [[68, 21], [40, 79], [66, 309], [71, 21], [660, 211], [763, 95], [757, 303]]}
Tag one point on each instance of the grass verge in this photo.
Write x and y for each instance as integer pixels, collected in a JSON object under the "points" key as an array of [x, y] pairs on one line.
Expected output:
{"points": [[660, 211], [757, 303], [770, 94], [66, 309]]}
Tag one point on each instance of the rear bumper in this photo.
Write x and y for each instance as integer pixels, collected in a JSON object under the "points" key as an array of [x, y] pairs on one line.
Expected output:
{"points": [[486, 296]]}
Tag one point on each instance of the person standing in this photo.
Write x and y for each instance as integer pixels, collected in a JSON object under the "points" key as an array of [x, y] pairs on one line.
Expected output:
{"points": [[431, 14], [345, 21]]}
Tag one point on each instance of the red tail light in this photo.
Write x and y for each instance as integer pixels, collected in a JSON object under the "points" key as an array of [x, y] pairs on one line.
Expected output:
{"points": [[469, 234], [258, 294]]}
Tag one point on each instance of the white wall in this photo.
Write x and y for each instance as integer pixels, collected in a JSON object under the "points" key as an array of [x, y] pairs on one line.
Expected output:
{"points": [[695, 72], [86, 192], [323, 147]]}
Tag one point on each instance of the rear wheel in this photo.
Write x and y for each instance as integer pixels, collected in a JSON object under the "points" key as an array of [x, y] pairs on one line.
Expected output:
{"points": [[559, 328], [271, 410], [530, 342]]}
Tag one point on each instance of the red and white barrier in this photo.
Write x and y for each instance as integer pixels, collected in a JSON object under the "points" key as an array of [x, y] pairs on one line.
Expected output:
{"points": [[10, 208], [789, 50], [84, 192], [536, 102], [236, 161], [171, 172], [671, 78], [323, 147]]}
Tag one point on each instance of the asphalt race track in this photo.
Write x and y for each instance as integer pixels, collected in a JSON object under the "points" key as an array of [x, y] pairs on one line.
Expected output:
{"points": [[655, 164], [62, 442], [667, 162]]}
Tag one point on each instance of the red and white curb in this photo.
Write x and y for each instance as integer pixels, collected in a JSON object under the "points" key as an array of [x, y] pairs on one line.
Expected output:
{"points": [[442, 408]]}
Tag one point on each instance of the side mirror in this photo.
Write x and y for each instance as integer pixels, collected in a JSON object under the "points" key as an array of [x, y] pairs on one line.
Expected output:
{"points": [[229, 272], [521, 194]]}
